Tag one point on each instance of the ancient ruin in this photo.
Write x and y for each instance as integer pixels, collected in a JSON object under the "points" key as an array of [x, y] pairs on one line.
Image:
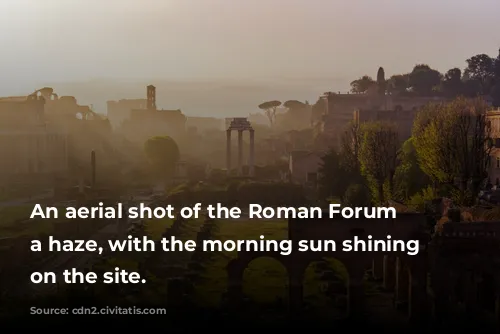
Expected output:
{"points": [[445, 263], [240, 125]]}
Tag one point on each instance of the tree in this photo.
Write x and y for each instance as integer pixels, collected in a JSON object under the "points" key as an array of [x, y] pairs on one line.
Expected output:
{"points": [[163, 155], [350, 143], [269, 109], [480, 68], [409, 179], [362, 85], [452, 82], [399, 84], [381, 83], [378, 156], [333, 178], [423, 80], [452, 141], [294, 105]]}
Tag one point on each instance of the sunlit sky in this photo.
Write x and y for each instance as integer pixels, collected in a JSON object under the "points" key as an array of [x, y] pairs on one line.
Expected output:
{"points": [[75, 40]]}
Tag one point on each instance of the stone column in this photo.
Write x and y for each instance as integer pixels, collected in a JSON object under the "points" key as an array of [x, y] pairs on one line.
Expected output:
{"points": [[251, 156], [389, 272], [240, 152], [401, 290], [228, 151], [418, 309]]}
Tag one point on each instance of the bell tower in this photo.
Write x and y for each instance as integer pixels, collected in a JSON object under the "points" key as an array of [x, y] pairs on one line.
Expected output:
{"points": [[151, 96]]}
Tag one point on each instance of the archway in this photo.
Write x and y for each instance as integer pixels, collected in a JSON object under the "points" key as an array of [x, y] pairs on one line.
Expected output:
{"points": [[266, 283], [325, 282]]}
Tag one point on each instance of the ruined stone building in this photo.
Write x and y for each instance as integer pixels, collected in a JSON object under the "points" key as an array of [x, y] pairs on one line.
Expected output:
{"points": [[402, 119], [304, 166], [337, 110], [44, 134], [119, 111], [144, 123], [31, 148]]}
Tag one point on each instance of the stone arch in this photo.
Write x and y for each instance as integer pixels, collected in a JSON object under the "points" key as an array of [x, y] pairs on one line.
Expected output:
{"points": [[326, 286], [236, 269], [271, 277]]}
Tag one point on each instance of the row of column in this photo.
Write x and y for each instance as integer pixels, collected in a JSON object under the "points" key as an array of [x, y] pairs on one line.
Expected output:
{"points": [[409, 287], [251, 155]]}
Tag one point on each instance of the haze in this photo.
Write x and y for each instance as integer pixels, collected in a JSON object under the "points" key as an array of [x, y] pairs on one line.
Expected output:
{"points": [[299, 47]]}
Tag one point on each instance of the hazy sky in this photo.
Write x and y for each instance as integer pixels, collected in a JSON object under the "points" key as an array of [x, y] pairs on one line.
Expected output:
{"points": [[74, 40]]}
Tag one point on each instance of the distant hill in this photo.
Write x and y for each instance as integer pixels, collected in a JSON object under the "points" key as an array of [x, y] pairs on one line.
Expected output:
{"points": [[216, 98]]}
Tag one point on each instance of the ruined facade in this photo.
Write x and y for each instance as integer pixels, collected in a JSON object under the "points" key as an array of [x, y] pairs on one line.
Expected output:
{"points": [[31, 147], [119, 111], [338, 110], [402, 119], [304, 166], [144, 123], [458, 266]]}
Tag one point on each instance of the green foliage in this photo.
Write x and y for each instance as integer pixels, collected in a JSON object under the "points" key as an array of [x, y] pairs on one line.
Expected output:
{"points": [[481, 77], [420, 200], [424, 80], [409, 179], [163, 154], [378, 156], [452, 143]]}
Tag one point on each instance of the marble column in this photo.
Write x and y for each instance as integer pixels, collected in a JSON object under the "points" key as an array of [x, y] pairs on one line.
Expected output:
{"points": [[240, 152], [228, 151], [251, 156]]}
